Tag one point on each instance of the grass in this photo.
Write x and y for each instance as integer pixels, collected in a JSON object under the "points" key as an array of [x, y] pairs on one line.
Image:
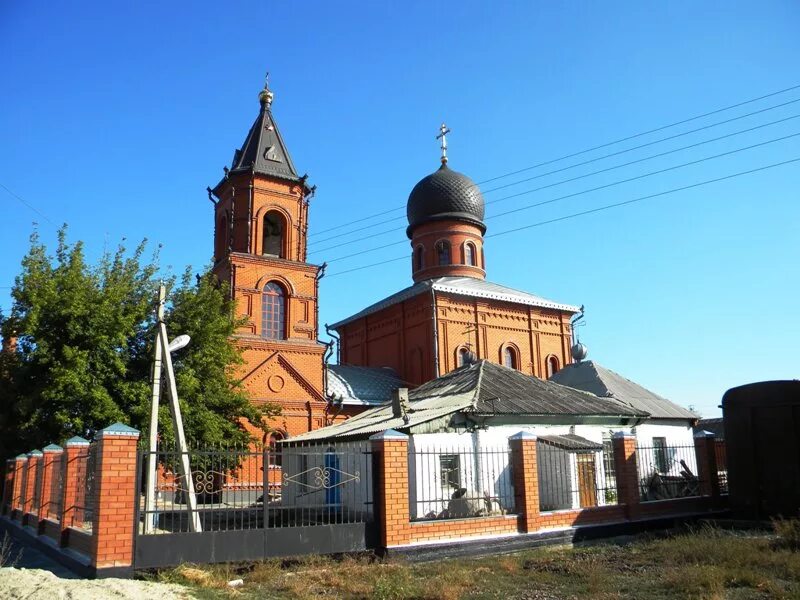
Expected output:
{"points": [[8, 558], [706, 563]]}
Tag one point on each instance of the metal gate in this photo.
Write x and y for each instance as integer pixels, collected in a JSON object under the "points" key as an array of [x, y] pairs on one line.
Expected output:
{"points": [[256, 503]]}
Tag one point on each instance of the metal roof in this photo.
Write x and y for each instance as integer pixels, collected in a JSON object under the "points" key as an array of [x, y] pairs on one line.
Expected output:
{"points": [[570, 442], [715, 426], [445, 195], [263, 150], [460, 286], [602, 382], [361, 385], [482, 388]]}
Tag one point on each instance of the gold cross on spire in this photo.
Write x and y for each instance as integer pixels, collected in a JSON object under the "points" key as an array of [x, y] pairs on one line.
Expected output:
{"points": [[443, 131]]}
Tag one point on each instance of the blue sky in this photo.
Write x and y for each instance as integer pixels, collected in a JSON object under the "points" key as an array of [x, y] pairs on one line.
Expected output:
{"points": [[114, 117]]}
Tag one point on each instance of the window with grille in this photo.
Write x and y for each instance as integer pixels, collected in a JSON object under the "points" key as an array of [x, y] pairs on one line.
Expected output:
{"points": [[449, 471], [273, 313], [660, 454]]}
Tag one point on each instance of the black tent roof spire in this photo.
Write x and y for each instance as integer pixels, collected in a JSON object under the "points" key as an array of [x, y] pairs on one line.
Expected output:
{"points": [[264, 151]]}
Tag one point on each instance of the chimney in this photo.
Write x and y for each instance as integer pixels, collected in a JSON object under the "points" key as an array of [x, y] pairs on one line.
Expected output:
{"points": [[400, 403]]}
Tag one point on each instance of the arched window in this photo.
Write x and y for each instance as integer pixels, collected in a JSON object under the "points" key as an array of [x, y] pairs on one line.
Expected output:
{"points": [[274, 448], [273, 312], [510, 358], [443, 252], [552, 366], [419, 258], [462, 355], [469, 254], [273, 235]]}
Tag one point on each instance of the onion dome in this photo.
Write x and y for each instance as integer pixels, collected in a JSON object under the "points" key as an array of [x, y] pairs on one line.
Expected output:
{"points": [[445, 195]]}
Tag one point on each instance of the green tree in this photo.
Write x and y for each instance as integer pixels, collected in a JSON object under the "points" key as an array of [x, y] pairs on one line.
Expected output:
{"points": [[86, 335]]}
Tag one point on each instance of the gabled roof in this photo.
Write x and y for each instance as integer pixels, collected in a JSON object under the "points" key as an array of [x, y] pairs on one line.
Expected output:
{"points": [[264, 151], [595, 379], [481, 389], [361, 385], [460, 286]]}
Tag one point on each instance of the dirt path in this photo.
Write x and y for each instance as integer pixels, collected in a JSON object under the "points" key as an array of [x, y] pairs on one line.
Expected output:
{"points": [[37, 584]]}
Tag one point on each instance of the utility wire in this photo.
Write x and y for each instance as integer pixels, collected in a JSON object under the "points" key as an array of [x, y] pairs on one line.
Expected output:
{"points": [[579, 164], [23, 201], [590, 190], [594, 210], [586, 151], [571, 179]]}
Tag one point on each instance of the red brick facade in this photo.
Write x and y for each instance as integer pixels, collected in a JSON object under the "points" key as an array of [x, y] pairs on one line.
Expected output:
{"points": [[283, 357], [406, 337]]}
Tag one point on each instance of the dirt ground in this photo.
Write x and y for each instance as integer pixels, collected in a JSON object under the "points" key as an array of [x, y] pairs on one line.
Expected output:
{"points": [[38, 584]]}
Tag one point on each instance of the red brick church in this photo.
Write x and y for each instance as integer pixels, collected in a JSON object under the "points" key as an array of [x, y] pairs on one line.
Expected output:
{"points": [[451, 313]]}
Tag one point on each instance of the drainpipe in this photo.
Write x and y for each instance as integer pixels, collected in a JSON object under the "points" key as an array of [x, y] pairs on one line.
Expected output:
{"points": [[337, 341], [435, 337], [233, 218], [250, 217]]}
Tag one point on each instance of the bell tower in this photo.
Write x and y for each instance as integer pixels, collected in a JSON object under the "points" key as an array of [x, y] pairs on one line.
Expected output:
{"points": [[260, 228]]}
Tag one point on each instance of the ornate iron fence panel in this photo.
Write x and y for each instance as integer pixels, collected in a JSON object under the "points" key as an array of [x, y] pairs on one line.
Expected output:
{"points": [[256, 501]]}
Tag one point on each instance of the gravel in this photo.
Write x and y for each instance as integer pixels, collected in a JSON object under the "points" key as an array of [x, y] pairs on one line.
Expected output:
{"points": [[37, 584]]}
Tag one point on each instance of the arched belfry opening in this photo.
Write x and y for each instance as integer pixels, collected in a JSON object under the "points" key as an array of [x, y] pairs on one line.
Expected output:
{"points": [[273, 239]]}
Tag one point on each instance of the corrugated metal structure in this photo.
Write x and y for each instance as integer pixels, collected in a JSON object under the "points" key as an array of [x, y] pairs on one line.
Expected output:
{"points": [[482, 392], [595, 379], [762, 436]]}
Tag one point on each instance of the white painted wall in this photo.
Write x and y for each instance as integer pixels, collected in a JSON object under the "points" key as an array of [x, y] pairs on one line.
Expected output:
{"points": [[491, 474]]}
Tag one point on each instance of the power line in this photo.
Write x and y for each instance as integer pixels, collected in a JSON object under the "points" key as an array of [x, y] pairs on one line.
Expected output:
{"points": [[580, 164], [586, 151], [584, 176], [595, 210], [33, 208], [590, 190]]}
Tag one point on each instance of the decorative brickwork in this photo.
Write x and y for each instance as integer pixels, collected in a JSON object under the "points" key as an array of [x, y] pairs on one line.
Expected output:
{"points": [[115, 497], [390, 450], [261, 224], [17, 497], [526, 480], [627, 473]]}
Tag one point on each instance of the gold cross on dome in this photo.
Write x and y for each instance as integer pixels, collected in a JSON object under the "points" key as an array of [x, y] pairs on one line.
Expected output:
{"points": [[443, 131]]}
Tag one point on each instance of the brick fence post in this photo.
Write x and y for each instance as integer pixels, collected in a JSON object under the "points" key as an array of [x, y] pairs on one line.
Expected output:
{"points": [[390, 475], [627, 473], [73, 473], [31, 508], [115, 497], [50, 461], [17, 495], [707, 472], [526, 479]]}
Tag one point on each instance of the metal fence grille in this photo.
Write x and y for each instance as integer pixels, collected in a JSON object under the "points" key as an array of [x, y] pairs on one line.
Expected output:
{"points": [[667, 471], [37, 486], [254, 487], [84, 468], [460, 482], [721, 455], [574, 478], [55, 489]]}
